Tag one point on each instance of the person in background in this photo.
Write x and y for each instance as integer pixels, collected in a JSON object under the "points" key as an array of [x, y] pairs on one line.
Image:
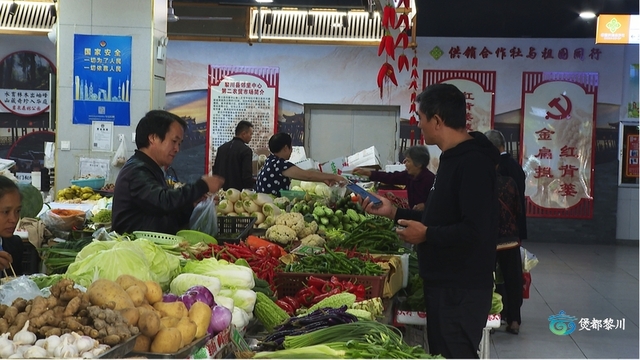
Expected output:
{"points": [[11, 246], [142, 199], [417, 178], [457, 231], [234, 159], [508, 166], [277, 172], [508, 252]]}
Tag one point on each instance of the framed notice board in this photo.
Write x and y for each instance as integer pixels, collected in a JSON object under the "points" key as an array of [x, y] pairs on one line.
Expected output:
{"points": [[629, 153]]}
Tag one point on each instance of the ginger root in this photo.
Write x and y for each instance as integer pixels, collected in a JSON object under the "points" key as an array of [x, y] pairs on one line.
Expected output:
{"points": [[73, 306]]}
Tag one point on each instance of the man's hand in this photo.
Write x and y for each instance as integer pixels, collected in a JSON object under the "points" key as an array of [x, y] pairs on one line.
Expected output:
{"points": [[412, 231], [361, 171], [5, 260], [336, 179], [214, 182], [386, 209]]}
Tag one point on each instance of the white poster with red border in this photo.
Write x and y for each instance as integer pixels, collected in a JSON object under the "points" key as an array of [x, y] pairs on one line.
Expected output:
{"points": [[238, 93], [558, 137]]}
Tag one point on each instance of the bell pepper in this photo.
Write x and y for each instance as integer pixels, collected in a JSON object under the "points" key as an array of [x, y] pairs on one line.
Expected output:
{"points": [[337, 284], [360, 292], [285, 306], [316, 282], [305, 297], [291, 301]]}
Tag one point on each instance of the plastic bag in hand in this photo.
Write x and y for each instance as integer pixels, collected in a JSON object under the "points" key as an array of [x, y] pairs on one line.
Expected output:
{"points": [[529, 260], [204, 218]]}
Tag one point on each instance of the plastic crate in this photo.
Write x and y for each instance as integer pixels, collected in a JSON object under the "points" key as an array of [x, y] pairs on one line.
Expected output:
{"points": [[288, 284], [233, 229]]}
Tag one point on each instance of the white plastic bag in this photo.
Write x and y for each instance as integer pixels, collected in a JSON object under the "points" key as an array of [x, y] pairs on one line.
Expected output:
{"points": [[204, 218], [529, 260], [22, 287], [120, 158]]}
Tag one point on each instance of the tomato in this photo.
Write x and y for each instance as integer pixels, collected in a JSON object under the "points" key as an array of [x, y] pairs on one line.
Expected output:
{"points": [[355, 198], [274, 250]]}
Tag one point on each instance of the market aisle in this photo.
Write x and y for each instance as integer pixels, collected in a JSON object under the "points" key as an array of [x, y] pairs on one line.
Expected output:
{"points": [[585, 281]]}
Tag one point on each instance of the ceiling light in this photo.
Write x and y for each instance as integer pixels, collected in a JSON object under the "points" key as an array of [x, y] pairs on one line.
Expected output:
{"points": [[171, 15], [264, 1], [13, 8], [587, 15]]}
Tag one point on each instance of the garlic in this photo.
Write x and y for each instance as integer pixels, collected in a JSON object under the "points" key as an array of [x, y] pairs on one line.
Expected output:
{"points": [[100, 349], [65, 350], [41, 343], [70, 338], [24, 336], [53, 341], [85, 343], [4, 339], [88, 355], [7, 349], [35, 352], [16, 356]]}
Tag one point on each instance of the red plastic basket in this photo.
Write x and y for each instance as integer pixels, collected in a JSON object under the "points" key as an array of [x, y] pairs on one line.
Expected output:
{"points": [[288, 284]]}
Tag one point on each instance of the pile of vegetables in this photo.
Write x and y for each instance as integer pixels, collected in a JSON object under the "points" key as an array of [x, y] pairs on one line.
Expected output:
{"points": [[317, 290], [290, 227], [248, 203], [374, 235], [69, 323], [333, 262], [59, 256]]}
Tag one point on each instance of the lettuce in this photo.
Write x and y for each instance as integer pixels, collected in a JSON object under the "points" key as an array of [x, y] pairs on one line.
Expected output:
{"points": [[184, 282], [230, 275], [242, 298], [110, 259]]}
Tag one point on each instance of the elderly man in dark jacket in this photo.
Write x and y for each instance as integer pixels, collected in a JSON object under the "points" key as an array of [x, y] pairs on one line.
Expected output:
{"points": [[142, 199]]}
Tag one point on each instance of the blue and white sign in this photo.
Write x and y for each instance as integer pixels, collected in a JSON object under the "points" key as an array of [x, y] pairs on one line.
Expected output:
{"points": [[102, 79]]}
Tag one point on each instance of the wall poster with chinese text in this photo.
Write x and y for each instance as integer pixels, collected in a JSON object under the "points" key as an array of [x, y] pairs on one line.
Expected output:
{"points": [[632, 169], [479, 89], [101, 79], [24, 83], [240, 93], [558, 137]]}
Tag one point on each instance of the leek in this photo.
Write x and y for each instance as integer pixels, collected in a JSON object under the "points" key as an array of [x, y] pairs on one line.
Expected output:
{"points": [[310, 352]]}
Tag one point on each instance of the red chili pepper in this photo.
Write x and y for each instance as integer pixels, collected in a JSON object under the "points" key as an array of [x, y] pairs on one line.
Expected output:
{"points": [[337, 284], [285, 306], [389, 16], [389, 47], [359, 291], [391, 75], [403, 62], [403, 19], [292, 301], [305, 296], [413, 97], [414, 73], [413, 85], [320, 297], [412, 108], [316, 282], [404, 38], [406, 3], [414, 61]]}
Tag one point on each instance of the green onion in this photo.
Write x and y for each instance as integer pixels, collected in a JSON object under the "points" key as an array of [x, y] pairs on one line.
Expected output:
{"points": [[310, 352]]}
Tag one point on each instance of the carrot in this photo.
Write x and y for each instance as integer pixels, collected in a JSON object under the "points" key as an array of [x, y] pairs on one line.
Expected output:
{"points": [[256, 242]]}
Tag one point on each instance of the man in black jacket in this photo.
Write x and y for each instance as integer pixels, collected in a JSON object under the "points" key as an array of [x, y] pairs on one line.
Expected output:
{"points": [[234, 159], [142, 199], [456, 233]]}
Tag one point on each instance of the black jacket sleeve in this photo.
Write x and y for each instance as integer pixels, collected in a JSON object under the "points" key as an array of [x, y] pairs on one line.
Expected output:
{"points": [[15, 247], [247, 170]]}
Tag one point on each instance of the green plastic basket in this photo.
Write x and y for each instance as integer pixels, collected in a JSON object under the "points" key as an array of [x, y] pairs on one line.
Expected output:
{"points": [[159, 238], [194, 237], [292, 194]]}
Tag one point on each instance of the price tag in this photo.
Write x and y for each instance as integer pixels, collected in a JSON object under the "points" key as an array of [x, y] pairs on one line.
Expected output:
{"points": [[238, 340]]}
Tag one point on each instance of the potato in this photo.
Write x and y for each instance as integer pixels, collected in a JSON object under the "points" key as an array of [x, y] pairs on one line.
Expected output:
{"points": [[136, 294], [175, 309], [200, 314], [143, 343], [154, 292], [187, 329], [130, 315], [103, 291], [149, 323], [169, 321], [167, 341], [127, 281]]}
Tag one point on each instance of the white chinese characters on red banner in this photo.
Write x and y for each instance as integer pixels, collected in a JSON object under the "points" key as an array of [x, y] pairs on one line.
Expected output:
{"points": [[478, 88], [241, 93], [557, 140]]}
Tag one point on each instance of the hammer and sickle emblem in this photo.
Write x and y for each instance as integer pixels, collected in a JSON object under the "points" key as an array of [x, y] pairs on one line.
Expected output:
{"points": [[565, 113]]}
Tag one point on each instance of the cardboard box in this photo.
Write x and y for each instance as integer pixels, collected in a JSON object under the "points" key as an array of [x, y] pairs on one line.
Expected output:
{"points": [[334, 166], [306, 164], [218, 347], [420, 318], [393, 282], [368, 157]]}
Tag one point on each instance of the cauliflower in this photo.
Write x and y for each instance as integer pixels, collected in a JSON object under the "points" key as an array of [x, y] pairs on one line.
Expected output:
{"points": [[313, 240], [280, 234], [292, 220], [309, 228]]}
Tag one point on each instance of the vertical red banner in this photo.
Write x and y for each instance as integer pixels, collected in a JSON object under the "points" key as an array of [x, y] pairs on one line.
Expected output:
{"points": [[238, 93], [479, 88], [632, 168], [558, 137]]}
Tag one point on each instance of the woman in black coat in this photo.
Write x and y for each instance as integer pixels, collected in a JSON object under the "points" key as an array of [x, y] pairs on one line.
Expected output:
{"points": [[11, 247]]}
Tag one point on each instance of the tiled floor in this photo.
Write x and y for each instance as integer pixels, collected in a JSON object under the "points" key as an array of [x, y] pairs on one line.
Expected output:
{"points": [[586, 281]]}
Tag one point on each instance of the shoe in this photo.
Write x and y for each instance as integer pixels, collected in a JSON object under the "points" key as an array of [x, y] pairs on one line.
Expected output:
{"points": [[513, 330]]}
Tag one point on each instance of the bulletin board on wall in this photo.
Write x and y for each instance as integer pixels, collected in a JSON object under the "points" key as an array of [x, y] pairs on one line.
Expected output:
{"points": [[238, 93], [629, 153]]}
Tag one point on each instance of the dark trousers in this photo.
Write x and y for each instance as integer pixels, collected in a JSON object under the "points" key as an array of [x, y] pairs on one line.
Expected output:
{"points": [[455, 319], [510, 263]]}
